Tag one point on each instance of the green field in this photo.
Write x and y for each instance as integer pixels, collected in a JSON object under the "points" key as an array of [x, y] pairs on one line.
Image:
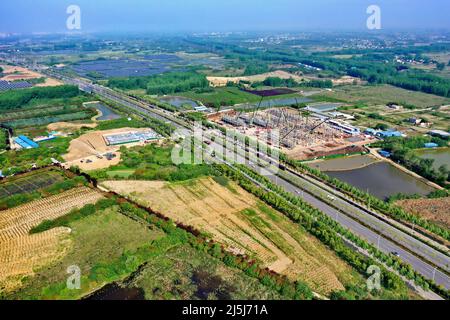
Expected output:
{"points": [[151, 163], [22, 160], [3, 136], [383, 94], [34, 185], [40, 106], [167, 264], [222, 97]]}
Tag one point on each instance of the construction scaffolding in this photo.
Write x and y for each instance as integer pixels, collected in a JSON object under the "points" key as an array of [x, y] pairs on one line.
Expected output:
{"points": [[295, 127]]}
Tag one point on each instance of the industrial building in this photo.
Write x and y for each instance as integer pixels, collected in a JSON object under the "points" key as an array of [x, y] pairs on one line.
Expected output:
{"points": [[345, 127], [440, 133], [130, 137], [25, 142]]}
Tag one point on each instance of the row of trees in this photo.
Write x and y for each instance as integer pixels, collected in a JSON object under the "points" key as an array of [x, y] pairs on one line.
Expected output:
{"points": [[403, 151], [330, 232], [291, 83], [168, 83], [16, 99], [316, 223], [389, 209], [185, 234]]}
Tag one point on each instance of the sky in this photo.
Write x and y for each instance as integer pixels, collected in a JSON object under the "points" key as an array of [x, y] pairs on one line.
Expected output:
{"points": [[27, 16]]}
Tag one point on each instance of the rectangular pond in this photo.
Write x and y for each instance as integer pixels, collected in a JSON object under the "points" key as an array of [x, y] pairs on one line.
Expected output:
{"points": [[367, 173]]}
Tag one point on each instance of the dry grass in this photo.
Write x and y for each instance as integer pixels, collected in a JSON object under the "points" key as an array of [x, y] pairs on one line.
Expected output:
{"points": [[20, 253], [222, 81], [236, 219], [435, 210]]}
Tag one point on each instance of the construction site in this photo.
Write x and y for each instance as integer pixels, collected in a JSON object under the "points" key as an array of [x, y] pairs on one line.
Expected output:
{"points": [[300, 134], [100, 149]]}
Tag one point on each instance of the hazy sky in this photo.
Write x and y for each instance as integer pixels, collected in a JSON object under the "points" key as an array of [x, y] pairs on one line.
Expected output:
{"points": [[220, 15]]}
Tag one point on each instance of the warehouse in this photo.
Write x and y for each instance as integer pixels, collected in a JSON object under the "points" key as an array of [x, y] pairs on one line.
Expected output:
{"points": [[130, 137], [26, 143]]}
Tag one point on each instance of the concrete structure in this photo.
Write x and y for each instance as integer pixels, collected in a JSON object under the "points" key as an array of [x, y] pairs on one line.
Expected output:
{"points": [[389, 134], [130, 137], [345, 127], [439, 133]]}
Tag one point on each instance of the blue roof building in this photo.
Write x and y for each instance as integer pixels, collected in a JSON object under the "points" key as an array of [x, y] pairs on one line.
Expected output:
{"points": [[385, 153], [26, 143], [390, 134], [431, 145]]}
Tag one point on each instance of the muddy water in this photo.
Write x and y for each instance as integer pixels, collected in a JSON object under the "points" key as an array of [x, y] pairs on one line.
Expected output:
{"points": [[382, 180], [115, 292], [440, 156]]}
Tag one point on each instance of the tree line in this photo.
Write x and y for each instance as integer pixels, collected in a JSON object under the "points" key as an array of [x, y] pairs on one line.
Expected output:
{"points": [[16, 99], [168, 83]]}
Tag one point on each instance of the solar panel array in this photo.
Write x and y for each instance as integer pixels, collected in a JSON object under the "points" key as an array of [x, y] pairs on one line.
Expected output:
{"points": [[6, 85]]}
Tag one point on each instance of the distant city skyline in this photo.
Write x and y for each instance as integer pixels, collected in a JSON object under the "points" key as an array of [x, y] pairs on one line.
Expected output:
{"points": [[26, 16]]}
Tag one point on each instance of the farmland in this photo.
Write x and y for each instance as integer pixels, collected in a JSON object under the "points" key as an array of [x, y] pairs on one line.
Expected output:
{"points": [[245, 226], [151, 162], [41, 106], [434, 210], [22, 253], [29, 183], [230, 96], [133, 253], [383, 94]]}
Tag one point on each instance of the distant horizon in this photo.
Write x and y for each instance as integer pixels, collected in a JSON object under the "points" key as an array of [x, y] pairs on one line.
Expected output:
{"points": [[201, 16]]}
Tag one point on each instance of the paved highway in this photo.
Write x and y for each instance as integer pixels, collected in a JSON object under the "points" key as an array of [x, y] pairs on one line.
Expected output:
{"points": [[380, 234], [375, 237]]}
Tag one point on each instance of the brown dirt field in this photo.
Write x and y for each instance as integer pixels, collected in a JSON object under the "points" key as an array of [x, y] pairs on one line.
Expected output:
{"points": [[222, 81], [91, 144], [435, 210], [21, 253], [14, 73], [236, 219], [69, 126]]}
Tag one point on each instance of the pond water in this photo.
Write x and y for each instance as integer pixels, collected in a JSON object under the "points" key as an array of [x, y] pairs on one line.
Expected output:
{"points": [[180, 101], [114, 292], [382, 180], [107, 113], [440, 156]]}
